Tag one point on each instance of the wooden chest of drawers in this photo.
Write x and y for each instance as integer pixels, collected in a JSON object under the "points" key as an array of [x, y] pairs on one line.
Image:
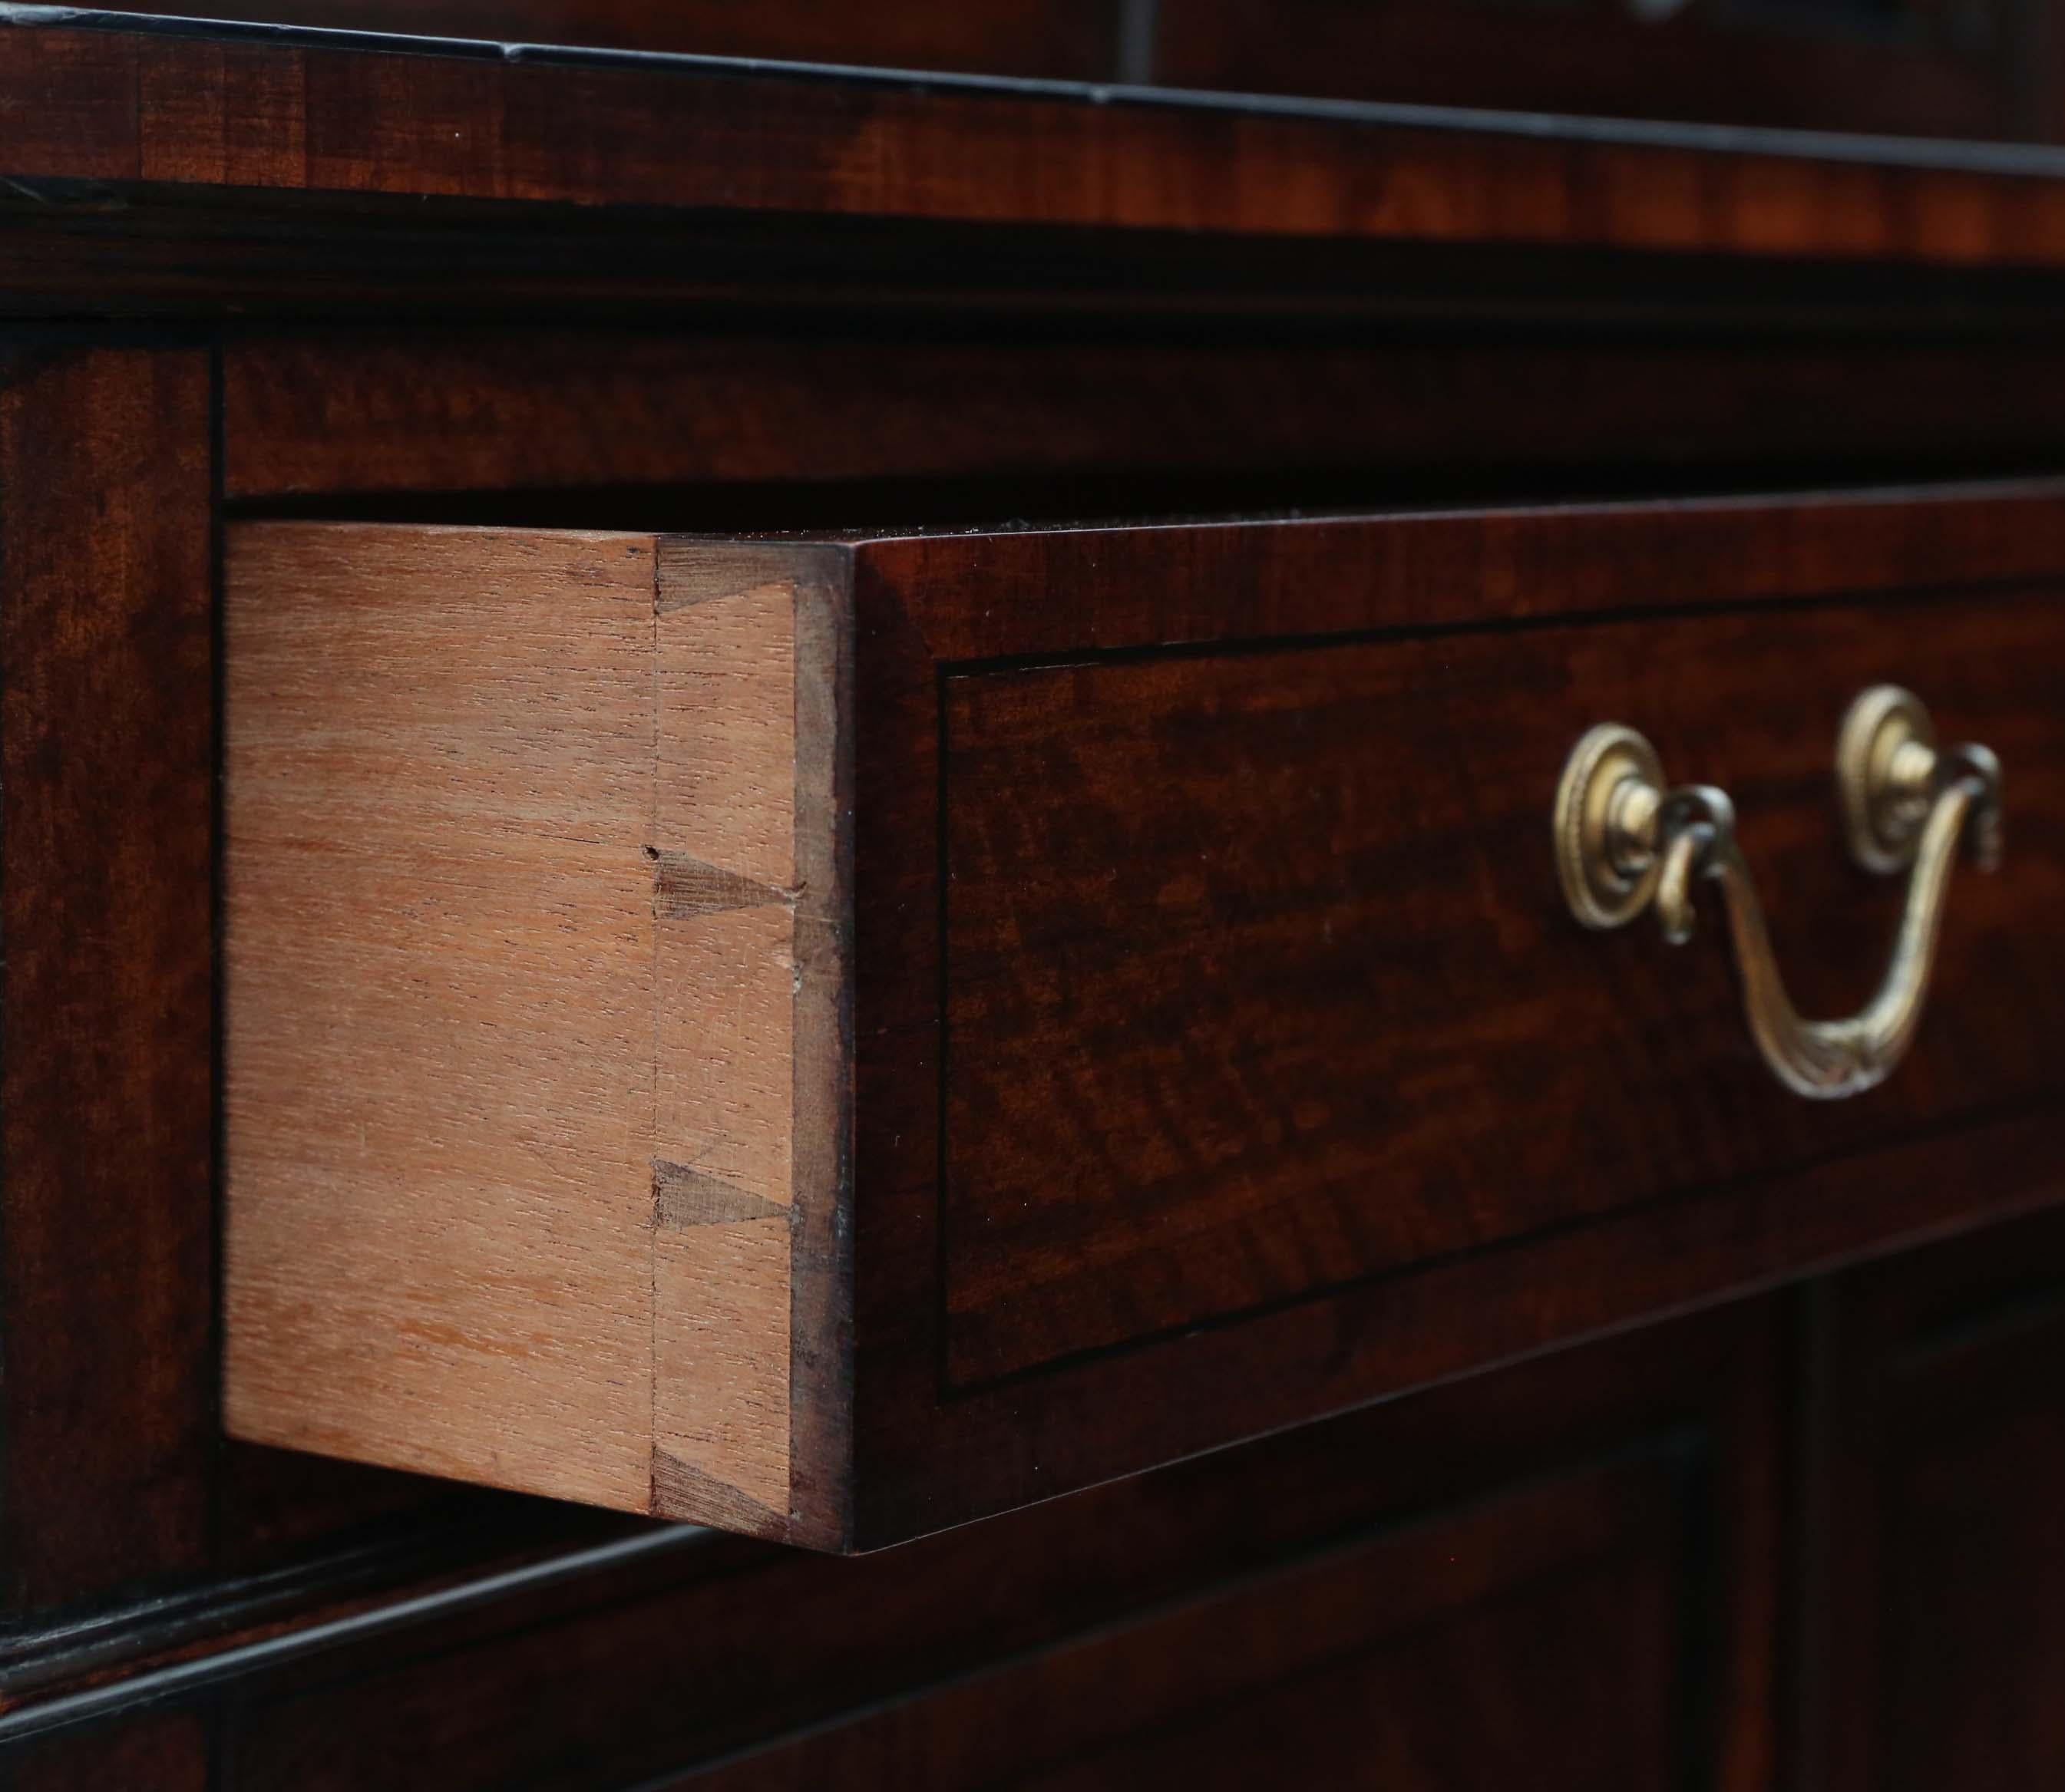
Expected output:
{"points": [[830, 804]]}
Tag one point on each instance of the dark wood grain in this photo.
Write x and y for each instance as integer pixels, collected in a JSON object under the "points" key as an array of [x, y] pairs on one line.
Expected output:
{"points": [[655, 1672], [1060, 593], [72, 248], [1410, 1660], [1945, 1557], [1319, 1324], [105, 760], [1927, 69], [1056, 39], [1933, 68], [1259, 982], [147, 1754], [851, 427], [297, 116], [724, 300]]}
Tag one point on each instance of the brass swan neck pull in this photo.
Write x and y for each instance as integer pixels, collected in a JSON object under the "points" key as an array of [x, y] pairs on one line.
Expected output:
{"points": [[1626, 842]]}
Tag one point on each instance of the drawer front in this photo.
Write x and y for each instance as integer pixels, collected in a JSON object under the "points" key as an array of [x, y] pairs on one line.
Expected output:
{"points": [[834, 1039], [1257, 982]]}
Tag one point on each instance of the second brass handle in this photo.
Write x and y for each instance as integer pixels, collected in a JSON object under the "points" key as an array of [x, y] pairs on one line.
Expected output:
{"points": [[1626, 842]]}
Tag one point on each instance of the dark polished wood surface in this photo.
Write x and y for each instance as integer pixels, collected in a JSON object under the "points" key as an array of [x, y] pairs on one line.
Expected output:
{"points": [[1497, 1513], [1312, 1013], [167, 1754], [1929, 67], [1068, 40], [181, 112], [1939, 1593], [105, 765], [288, 278], [1413, 1632], [1101, 415], [1190, 804]]}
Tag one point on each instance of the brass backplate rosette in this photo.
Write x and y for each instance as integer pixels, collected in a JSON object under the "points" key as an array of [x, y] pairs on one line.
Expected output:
{"points": [[1604, 888], [1885, 757]]}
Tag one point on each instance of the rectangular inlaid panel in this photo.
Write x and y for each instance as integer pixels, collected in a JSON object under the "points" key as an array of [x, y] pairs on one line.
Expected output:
{"points": [[1257, 983]]}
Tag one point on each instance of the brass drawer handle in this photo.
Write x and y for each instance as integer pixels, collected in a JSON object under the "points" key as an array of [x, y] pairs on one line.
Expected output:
{"points": [[1626, 842]]}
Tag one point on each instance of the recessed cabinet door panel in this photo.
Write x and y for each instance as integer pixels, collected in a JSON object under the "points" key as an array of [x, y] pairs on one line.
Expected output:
{"points": [[1946, 1568], [1560, 1574], [1408, 1662]]}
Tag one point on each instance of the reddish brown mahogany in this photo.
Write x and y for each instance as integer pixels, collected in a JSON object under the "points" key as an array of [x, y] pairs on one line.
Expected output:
{"points": [[277, 115], [105, 763], [1628, 1488], [1803, 1538], [1236, 836]]}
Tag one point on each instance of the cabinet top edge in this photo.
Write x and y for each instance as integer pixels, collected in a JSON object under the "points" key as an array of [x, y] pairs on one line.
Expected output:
{"points": [[665, 131], [2035, 493], [1975, 156]]}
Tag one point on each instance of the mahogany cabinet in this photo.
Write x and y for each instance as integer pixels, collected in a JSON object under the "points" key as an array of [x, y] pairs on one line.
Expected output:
{"points": [[830, 803]]}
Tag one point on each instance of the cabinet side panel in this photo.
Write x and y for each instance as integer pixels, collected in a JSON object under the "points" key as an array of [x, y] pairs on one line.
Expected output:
{"points": [[107, 1405], [439, 963]]}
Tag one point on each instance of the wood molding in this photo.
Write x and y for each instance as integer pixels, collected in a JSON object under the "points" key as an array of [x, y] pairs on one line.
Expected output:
{"points": [[276, 110]]}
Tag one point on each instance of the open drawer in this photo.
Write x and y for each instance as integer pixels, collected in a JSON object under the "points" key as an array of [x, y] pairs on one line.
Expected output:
{"points": [[832, 1038]]}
